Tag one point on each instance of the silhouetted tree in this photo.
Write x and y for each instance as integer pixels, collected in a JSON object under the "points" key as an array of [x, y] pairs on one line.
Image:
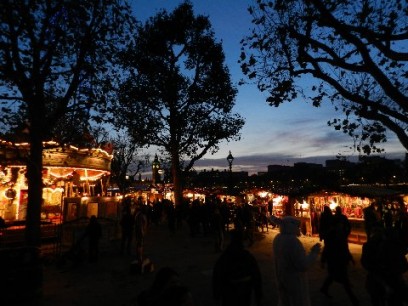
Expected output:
{"points": [[126, 162], [350, 53], [178, 95], [56, 60]]}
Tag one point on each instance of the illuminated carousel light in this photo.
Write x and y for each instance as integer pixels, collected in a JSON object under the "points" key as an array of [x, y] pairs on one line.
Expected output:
{"points": [[85, 174], [59, 172], [64, 167], [10, 193]]}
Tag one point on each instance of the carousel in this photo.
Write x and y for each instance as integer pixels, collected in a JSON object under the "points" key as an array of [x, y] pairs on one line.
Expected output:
{"points": [[74, 182]]}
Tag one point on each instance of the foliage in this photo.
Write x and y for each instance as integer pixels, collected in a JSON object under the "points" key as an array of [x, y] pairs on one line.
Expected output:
{"points": [[355, 52], [178, 94], [124, 161], [60, 50]]}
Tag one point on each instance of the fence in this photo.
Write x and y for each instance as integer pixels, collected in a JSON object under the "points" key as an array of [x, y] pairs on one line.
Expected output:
{"points": [[56, 238]]}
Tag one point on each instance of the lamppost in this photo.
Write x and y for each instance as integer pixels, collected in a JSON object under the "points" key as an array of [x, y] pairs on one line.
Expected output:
{"points": [[230, 159]]}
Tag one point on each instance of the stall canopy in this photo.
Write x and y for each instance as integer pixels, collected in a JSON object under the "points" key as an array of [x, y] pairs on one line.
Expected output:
{"points": [[370, 191]]}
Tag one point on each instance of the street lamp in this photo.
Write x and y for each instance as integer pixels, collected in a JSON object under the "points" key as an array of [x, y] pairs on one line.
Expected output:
{"points": [[230, 159]]}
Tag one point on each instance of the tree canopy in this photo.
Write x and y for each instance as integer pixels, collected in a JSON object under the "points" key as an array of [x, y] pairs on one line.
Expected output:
{"points": [[60, 51], [356, 52], [178, 93]]}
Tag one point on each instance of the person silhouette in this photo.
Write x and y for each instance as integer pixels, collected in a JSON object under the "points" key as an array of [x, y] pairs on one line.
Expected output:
{"points": [[166, 289], [383, 257], [126, 224], [93, 232], [372, 217], [337, 256], [292, 263], [140, 226], [218, 227], [325, 221], [236, 275]]}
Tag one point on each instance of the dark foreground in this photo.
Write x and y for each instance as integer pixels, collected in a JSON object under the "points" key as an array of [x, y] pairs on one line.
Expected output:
{"points": [[110, 281]]}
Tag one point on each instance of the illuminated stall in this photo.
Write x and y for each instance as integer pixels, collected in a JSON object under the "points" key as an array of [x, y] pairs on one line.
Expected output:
{"points": [[352, 206], [276, 203], [68, 173], [194, 194], [352, 200]]}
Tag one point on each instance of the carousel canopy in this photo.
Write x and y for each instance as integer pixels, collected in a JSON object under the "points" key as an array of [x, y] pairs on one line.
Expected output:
{"points": [[60, 161]]}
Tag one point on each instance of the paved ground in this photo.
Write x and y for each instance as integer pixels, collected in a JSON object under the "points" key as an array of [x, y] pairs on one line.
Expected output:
{"points": [[110, 282]]}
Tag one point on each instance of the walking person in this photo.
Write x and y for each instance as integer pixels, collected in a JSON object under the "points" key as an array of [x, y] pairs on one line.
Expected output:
{"points": [[342, 222], [336, 255], [248, 222], [292, 263], [383, 256], [140, 226], [126, 224], [263, 219], [218, 228], [93, 232], [325, 222], [236, 275], [372, 217]]}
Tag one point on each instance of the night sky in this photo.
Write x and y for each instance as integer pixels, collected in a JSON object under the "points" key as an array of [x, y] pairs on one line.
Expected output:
{"points": [[294, 132]]}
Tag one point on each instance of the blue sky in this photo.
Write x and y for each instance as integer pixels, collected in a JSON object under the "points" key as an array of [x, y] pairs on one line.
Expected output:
{"points": [[293, 132]]}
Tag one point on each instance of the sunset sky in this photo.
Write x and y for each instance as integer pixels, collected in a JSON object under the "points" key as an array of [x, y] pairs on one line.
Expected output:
{"points": [[293, 132]]}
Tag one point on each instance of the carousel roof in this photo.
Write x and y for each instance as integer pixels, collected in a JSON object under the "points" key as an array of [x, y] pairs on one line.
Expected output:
{"points": [[60, 161]]}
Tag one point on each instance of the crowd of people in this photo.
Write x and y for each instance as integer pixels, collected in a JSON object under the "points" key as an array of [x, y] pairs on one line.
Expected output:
{"points": [[236, 275], [214, 217]]}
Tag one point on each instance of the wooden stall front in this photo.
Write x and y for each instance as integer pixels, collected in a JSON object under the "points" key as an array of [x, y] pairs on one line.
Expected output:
{"points": [[352, 200]]}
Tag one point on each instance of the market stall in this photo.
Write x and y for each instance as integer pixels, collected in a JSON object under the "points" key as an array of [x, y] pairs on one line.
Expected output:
{"points": [[352, 200], [275, 202]]}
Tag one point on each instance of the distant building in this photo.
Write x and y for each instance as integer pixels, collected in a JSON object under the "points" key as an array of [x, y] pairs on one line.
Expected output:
{"points": [[338, 164], [216, 178], [307, 166], [338, 167], [155, 170], [275, 168]]}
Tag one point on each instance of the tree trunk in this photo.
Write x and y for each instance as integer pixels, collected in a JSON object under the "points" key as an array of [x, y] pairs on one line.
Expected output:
{"points": [[177, 180], [34, 177], [29, 269], [178, 189]]}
